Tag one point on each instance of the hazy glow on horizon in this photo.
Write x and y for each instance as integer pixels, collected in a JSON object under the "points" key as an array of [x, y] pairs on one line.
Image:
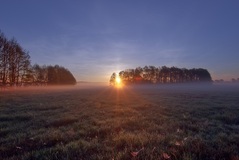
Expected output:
{"points": [[94, 38], [118, 81]]}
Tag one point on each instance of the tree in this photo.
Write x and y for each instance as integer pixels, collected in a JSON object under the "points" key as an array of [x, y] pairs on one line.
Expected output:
{"points": [[165, 74], [112, 79], [60, 76], [16, 69], [40, 74], [138, 72], [151, 74], [146, 74], [3, 59], [203, 75], [14, 61]]}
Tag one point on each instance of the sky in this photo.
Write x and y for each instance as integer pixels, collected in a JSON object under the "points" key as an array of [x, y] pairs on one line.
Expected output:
{"points": [[94, 38]]}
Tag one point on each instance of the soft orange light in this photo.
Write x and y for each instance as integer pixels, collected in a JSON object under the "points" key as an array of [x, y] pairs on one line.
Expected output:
{"points": [[118, 82]]}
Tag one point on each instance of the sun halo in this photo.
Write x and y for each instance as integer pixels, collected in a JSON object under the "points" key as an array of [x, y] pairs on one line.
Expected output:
{"points": [[118, 82]]}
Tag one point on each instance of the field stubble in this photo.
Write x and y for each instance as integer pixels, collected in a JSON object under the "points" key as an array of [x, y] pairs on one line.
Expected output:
{"points": [[128, 123]]}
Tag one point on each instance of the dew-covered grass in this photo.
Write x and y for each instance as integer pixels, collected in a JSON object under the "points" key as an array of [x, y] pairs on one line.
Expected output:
{"points": [[150, 122]]}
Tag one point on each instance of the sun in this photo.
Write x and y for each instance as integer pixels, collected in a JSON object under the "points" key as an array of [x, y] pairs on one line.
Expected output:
{"points": [[118, 82]]}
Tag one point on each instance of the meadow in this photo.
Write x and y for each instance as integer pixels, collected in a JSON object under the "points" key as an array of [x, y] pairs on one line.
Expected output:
{"points": [[137, 122]]}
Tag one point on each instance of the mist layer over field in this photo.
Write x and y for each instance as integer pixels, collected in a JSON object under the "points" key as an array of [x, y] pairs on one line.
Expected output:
{"points": [[92, 121]]}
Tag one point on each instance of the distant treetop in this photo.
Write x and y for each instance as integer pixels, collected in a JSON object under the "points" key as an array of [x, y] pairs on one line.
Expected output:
{"points": [[161, 75]]}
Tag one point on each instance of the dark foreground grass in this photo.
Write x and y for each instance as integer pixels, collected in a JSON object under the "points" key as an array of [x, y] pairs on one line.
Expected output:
{"points": [[106, 123]]}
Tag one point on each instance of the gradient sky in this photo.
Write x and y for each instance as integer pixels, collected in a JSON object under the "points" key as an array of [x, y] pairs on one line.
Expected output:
{"points": [[93, 38]]}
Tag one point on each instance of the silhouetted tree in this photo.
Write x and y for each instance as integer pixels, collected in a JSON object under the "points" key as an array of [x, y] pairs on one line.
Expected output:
{"points": [[15, 67], [14, 61], [59, 76], [112, 79], [40, 74], [3, 59], [151, 74], [165, 74], [138, 73]]}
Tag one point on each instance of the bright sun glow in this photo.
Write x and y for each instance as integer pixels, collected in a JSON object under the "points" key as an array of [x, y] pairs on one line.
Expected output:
{"points": [[118, 80], [118, 83]]}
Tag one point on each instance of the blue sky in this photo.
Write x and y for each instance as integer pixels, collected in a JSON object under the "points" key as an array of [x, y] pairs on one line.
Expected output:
{"points": [[93, 38]]}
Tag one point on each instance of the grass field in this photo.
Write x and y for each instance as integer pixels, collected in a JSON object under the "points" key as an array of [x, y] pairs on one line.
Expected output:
{"points": [[164, 122]]}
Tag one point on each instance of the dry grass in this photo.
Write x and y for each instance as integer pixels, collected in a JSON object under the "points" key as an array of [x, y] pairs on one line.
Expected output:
{"points": [[166, 122]]}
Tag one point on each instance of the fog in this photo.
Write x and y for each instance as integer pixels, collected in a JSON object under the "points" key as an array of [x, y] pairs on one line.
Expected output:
{"points": [[193, 87], [185, 88]]}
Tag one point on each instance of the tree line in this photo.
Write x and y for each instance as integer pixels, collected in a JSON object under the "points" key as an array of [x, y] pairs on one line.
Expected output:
{"points": [[51, 75], [161, 75], [16, 68]]}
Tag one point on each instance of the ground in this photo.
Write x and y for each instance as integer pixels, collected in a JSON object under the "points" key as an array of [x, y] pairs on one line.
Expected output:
{"points": [[136, 122]]}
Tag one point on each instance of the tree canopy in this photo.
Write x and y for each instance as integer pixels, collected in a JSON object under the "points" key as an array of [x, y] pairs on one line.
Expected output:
{"points": [[161, 75], [16, 68]]}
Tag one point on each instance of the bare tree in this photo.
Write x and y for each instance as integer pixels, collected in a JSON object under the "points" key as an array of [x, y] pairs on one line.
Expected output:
{"points": [[14, 61]]}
